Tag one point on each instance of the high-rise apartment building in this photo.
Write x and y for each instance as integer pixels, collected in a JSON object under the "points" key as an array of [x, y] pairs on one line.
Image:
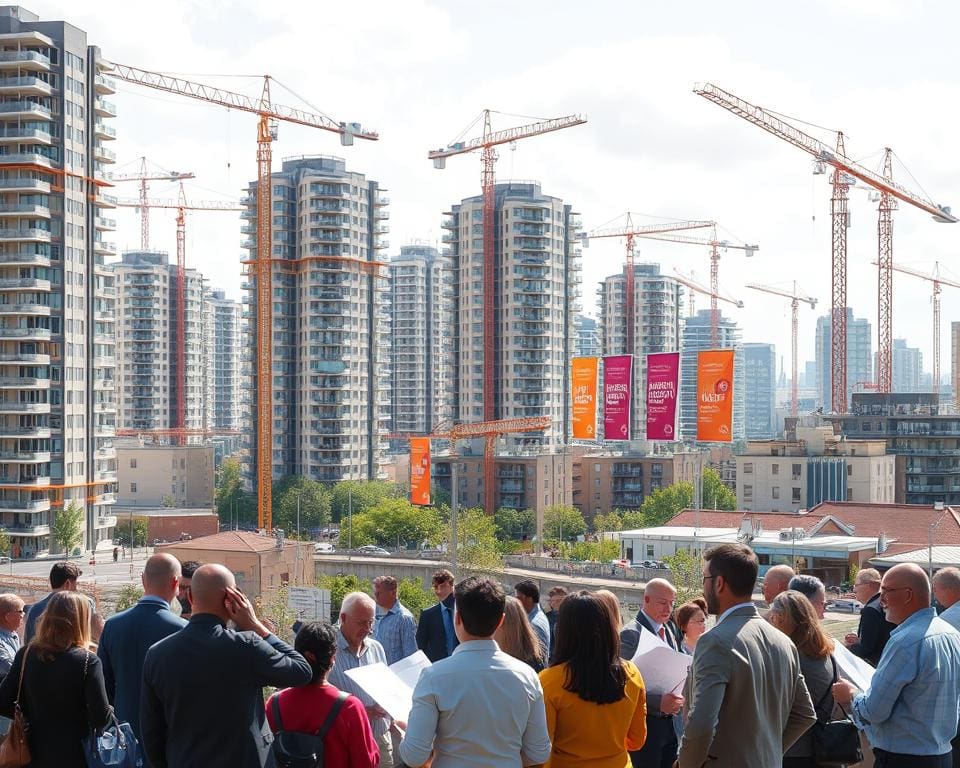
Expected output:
{"points": [[859, 356], [221, 367], [421, 300], [330, 320], [587, 337], [955, 361], [760, 391], [57, 407], [907, 368], [697, 336], [657, 310], [538, 267], [147, 339]]}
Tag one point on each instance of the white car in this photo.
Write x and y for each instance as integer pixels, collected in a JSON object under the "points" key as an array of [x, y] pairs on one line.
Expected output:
{"points": [[324, 548], [852, 606]]}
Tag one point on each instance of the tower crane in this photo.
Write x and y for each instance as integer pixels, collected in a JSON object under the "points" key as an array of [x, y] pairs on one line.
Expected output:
{"points": [[695, 286], [269, 116], [631, 231], [181, 206], [715, 246], [795, 298], [937, 282], [143, 176], [845, 173]]}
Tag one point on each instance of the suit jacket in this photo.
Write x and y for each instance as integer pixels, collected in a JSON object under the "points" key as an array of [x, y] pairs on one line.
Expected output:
{"points": [[749, 700], [431, 637], [630, 638], [123, 646], [874, 632], [202, 697]]}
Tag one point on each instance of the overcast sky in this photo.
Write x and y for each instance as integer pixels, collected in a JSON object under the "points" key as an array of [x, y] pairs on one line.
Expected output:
{"points": [[883, 71]]}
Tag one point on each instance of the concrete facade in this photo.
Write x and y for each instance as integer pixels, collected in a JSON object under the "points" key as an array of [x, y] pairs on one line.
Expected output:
{"points": [[222, 341], [760, 397], [606, 482], [147, 474], [859, 356], [907, 368]]}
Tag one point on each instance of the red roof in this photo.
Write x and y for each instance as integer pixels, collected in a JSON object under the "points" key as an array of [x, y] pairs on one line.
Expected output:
{"points": [[229, 541]]}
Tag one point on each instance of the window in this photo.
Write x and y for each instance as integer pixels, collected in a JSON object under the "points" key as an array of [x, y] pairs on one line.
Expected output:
{"points": [[775, 492], [133, 487], [775, 469], [133, 463], [796, 471], [796, 495], [849, 470], [748, 468], [650, 550], [748, 492]]}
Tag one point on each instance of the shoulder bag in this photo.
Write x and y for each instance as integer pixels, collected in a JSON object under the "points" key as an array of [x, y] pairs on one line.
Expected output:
{"points": [[113, 745], [14, 750], [292, 749], [835, 742]]}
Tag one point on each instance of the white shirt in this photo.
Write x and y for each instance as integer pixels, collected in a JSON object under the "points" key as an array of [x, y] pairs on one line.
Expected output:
{"points": [[737, 607], [479, 708]]}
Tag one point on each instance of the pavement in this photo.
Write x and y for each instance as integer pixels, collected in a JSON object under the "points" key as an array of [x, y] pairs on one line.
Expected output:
{"points": [[105, 573]]}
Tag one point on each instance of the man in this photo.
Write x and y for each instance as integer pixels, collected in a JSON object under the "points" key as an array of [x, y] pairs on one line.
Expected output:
{"points": [[187, 570], [813, 589], [436, 636], [202, 697], [355, 648], [910, 710], [873, 633], [63, 577], [749, 702], [528, 593], [660, 748], [128, 635], [946, 590], [555, 596], [480, 708], [395, 629], [11, 618], [776, 580]]}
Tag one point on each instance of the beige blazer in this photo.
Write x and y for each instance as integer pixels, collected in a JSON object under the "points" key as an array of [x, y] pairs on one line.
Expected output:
{"points": [[748, 700]]}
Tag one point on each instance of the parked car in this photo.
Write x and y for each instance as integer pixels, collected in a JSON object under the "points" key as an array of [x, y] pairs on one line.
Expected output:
{"points": [[852, 606], [324, 548], [373, 549]]}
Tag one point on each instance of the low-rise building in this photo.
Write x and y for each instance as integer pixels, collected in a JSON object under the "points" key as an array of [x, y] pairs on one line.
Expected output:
{"points": [[166, 524], [152, 475]]}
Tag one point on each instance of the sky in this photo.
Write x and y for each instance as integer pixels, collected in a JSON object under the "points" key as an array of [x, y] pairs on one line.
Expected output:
{"points": [[882, 71]]}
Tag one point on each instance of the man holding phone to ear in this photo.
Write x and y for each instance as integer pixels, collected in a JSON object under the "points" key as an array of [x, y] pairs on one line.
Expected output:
{"points": [[202, 701]]}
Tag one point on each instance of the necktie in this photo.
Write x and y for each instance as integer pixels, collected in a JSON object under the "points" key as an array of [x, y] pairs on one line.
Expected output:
{"points": [[662, 633], [447, 627]]}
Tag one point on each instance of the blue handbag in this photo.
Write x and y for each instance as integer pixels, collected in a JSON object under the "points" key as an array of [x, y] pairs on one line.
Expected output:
{"points": [[115, 745]]}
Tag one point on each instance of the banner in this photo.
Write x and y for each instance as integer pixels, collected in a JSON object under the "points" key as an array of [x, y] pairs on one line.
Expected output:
{"points": [[420, 471], [663, 380], [583, 388], [617, 392], [715, 395]]}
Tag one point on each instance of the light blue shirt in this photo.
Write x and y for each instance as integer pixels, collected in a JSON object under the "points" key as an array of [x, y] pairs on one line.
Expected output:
{"points": [[396, 631], [952, 615], [912, 704], [479, 708], [541, 625], [9, 645], [370, 653]]}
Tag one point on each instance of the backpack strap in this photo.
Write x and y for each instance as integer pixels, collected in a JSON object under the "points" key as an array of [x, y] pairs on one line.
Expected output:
{"points": [[275, 710], [337, 706]]}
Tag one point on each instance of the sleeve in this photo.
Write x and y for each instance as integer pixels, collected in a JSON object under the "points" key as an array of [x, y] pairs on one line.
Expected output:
{"points": [[417, 745], [276, 663], [897, 669], [268, 709], [6, 660], [711, 675], [103, 653], [871, 627], [802, 714], [362, 747], [550, 708], [408, 636], [629, 639], [535, 746], [153, 721], [637, 731], [98, 706], [8, 688]]}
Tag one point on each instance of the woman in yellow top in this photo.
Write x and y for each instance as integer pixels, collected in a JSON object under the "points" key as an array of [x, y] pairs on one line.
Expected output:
{"points": [[596, 705]]}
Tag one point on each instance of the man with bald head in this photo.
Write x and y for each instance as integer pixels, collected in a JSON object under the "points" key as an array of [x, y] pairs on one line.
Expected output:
{"points": [[775, 581], [127, 636], [909, 712], [660, 748], [202, 698]]}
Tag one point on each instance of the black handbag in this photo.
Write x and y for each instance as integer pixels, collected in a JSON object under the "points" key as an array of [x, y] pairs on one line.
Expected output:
{"points": [[835, 742], [292, 749]]}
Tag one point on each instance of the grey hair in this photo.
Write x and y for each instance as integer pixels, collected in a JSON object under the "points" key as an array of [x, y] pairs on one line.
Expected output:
{"points": [[808, 585], [352, 599], [948, 578]]}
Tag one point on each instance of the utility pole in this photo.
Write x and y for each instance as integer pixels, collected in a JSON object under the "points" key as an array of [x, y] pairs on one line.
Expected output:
{"points": [[454, 508]]}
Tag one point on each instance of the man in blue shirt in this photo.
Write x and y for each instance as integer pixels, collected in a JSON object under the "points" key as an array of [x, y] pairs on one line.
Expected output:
{"points": [[528, 593], [946, 590], [910, 711], [395, 629]]}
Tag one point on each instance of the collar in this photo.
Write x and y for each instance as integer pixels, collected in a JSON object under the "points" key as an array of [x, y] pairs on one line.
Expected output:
{"points": [[344, 646], [8, 634], [477, 645], [656, 625], [737, 607], [875, 598], [535, 610], [207, 619], [923, 615], [153, 600], [395, 608], [448, 601]]}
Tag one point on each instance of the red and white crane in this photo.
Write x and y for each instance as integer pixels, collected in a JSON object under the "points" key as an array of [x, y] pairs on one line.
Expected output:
{"points": [[714, 295], [143, 176]]}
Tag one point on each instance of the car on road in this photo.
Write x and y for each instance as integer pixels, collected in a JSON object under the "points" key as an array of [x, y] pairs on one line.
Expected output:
{"points": [[324, 548], [851, 606], [373, 549]]}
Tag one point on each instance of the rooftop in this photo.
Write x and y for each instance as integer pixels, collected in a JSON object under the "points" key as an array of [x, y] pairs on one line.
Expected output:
{"points": [[939, 557], [229, 541]]}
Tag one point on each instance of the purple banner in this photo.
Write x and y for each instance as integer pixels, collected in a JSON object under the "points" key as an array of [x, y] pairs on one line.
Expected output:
{"points": [[617, 392], [663, 378]]}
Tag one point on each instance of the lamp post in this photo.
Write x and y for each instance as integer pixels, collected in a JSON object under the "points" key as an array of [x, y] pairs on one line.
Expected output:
{"points": [[454, 509]]}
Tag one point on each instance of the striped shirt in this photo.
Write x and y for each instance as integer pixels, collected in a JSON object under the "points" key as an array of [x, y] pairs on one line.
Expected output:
{"points": [[371, 653], [396, 631]]}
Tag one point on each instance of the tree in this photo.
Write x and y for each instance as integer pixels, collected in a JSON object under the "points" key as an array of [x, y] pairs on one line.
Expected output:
{"points": [[594, 551], [686, 574], [4, 542], [397, 522], [140, 526], [67, 527], [414, 596], [360, 495], [631, 519], [665, 503], [610, 521], [476, 541], [128, 597], [340, 586], [514, 523], [562, 522], [233, 504], [715, 494], [314, 499], [168, 502]]}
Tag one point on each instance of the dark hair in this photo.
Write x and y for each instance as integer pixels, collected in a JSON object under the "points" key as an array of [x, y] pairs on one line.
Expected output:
{"points": [[320, 639], [63, 572], [480, 604], [737, 564], [443, 576], [528, 588], [188, 568], [685, 613], [590, 647]]}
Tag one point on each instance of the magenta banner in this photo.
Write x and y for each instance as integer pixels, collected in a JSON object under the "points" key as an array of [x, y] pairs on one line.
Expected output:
{"points": [[663, 378], [617, 391]]}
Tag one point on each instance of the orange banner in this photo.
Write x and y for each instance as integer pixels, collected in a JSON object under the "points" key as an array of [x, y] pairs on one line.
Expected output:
{"points": [[715, 395], [583, 396], [420, 471]]}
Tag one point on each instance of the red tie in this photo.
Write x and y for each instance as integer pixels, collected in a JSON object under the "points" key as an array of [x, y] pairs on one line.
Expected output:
{"points": [[662, 633]]}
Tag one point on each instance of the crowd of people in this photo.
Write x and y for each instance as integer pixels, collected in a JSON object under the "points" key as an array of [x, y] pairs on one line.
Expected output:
{"points": [[509, 683]]}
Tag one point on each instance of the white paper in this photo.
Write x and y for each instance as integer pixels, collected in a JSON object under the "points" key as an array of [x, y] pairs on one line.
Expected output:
{"points": [[855, 669], [663, 669], [409, 669], [646, 642], [383, 685]]}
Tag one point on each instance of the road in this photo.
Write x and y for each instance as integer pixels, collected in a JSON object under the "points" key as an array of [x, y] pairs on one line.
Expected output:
{"points": [[105, 573]]}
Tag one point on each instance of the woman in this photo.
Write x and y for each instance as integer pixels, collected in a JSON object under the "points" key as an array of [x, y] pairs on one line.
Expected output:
{"points": [[595, 702], [692, 620], [613, 603], [349, 741], [794, 615], [516, 637], [63, 698]]}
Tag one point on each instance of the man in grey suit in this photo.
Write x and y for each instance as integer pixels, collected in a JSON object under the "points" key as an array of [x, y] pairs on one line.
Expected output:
{"points": [[749, 702]]}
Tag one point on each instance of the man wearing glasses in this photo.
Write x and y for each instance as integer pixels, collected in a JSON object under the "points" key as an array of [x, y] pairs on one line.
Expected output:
{"points": [[11, 619], [910, 710]]}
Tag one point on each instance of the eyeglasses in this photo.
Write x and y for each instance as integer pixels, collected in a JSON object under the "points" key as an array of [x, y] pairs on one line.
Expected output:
{"points": [[707, 578], [884, 591]]}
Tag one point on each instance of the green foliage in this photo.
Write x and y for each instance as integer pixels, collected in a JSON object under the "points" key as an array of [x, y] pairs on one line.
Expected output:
{"points": [[715, 494], [273, 608], [631, 519], [414, 596], [128, 597], [4, 542], [363, 494], [139, 525], [67, 527], [168, 502], [562, 522], [340, 586], [664, 503], [594, 551], [233, 504], [315, 505], [610, 521], [397, 522], [514, 523], [854, 570], [477, 541], [686, 574]]}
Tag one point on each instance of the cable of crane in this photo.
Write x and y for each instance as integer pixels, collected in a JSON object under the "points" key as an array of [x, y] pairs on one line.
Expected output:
{"points": [[804, 122], [290, 90], [208, 74], [522, 117], [463, 133], [914, 178]]}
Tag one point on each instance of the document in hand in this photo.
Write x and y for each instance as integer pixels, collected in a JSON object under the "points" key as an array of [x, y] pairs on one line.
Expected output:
{"points": [[663, 669], [392, 687], [855, 669]]}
